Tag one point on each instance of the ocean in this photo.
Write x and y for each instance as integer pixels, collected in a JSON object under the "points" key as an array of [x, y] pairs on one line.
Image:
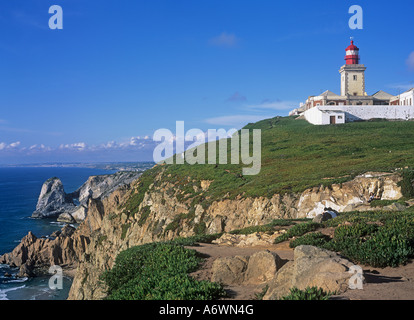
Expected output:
{"points": [[19, 190]]}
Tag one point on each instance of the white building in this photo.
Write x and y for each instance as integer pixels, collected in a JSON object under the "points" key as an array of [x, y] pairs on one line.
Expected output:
{"points": [[354, 104], [404, 99]]}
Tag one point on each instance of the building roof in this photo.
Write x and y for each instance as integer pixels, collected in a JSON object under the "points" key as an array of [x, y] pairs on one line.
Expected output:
{"points": [[328, 93], [352, 47], [382, 95], [412, 89]]}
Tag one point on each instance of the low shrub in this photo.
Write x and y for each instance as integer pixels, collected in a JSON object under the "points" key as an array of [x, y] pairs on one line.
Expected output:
{"points": [[313, 293], [316, 239], [298, 230], [158, 271]]}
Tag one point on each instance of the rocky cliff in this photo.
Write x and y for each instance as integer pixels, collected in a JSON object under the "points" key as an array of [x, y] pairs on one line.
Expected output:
{"points": [[73, 207], [156, 208], [165, 213], [53, 200]]}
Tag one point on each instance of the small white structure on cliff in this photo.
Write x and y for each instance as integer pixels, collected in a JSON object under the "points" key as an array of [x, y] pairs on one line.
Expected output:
{"points": [[354, 104]]}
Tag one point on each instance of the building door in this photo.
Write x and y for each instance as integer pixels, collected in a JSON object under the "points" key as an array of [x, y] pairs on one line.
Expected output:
{"points": [[333, 120]]}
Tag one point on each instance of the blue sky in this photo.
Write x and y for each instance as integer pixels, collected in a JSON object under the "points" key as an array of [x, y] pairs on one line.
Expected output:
{"points": [[119, 70]]}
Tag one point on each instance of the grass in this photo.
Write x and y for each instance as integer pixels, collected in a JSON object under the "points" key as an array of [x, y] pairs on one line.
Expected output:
{"points": [[297, 155]]}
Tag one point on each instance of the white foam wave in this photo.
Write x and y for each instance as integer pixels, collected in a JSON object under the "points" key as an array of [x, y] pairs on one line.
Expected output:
{"points": [[17, 280], [3, 292]]}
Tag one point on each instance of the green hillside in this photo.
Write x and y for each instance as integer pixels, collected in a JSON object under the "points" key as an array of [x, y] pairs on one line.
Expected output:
{"points": [[297, 155]]}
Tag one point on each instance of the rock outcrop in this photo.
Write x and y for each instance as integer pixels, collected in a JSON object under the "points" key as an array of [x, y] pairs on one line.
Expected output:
{"points": [[35, 255], [311, 267], [248, 240], [259, 268], [53, 200]]}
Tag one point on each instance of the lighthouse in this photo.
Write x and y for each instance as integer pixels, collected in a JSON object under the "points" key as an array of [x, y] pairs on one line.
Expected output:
{"points": [[352, 54], [352, 73]]}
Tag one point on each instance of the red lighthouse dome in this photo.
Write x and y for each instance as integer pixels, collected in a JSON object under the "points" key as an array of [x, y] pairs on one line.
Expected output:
{"points": [[352, 54]]}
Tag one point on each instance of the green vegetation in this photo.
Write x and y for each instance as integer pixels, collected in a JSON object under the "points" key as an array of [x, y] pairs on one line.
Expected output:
{"points": [[407, 183], [146, 211], [264, 228], [158, 271], [378, 239], [297, 155], [313, 293], [298, 230], [381, 203], [125, 228], [315, 239]]}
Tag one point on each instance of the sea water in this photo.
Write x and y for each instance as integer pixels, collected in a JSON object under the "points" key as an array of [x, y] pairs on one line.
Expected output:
{"points": [[19, 190]]}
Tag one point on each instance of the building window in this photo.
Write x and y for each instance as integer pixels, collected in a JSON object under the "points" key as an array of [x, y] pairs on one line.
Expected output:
{"points": [[355, 93], [355, 78], [339, 117]]}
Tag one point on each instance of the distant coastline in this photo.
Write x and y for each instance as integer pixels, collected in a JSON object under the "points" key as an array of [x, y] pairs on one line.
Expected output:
{"points": [[118, 166]]}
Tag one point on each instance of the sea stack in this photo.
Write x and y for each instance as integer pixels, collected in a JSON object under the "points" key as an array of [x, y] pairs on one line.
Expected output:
{"points": [[53, 200]]}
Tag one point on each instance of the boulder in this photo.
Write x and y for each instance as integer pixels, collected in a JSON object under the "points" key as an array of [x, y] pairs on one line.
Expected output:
{"points": [[395, 207], [262, 267], [256, 269], [311, 267], [322, 217], [229, 270]]}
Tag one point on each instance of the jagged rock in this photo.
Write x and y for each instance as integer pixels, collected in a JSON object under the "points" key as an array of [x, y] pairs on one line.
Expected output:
{"points": [[229, 270], [33, 252], [79, 214], [67, 231], [66, 217], [311, 267], [52, 200], [102, 185], [26, 269]]}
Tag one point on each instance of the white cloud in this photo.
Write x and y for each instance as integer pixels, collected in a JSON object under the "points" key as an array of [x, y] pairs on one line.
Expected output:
{"points": [[80, 146], [225, 39], [13, 145], [410, 61]]}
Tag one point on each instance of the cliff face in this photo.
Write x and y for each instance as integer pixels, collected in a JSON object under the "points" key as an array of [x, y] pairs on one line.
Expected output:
{"points": [[53, 200], [165, 213], [156, 208]]}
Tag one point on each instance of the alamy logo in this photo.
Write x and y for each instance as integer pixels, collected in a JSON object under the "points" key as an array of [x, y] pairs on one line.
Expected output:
{"points": [[357, 280], [56, 21], [356, 21], [196, 152], [56, 281]]}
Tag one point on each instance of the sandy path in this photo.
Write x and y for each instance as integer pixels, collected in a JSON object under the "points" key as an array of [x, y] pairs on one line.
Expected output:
{"points": [[212, 251]]}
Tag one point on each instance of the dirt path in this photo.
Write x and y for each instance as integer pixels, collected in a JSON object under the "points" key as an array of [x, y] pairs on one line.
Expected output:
{"points": [[212, 251], [381, 284], [385, 284]]}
